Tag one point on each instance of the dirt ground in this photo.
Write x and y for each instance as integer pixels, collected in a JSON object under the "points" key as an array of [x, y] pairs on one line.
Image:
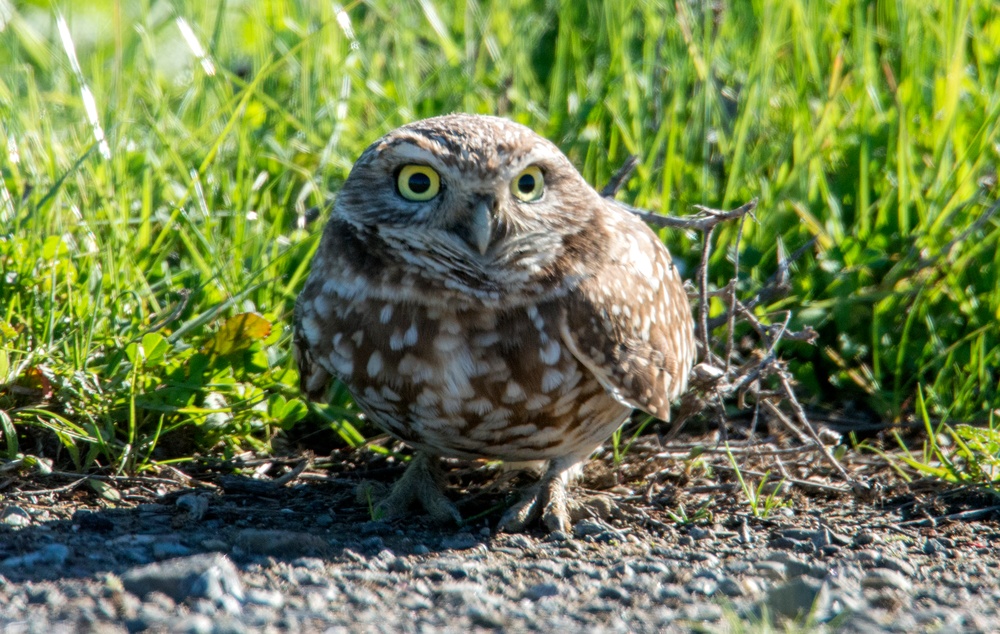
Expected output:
{"points": [[280, 548]]}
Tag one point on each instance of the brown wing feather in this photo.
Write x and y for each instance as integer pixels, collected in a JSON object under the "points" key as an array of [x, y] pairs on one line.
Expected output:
{"points": [[314, 380], [630, 323]]}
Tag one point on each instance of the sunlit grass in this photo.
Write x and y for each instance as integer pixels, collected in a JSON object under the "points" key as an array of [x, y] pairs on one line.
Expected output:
{"points": [[161, 184]]}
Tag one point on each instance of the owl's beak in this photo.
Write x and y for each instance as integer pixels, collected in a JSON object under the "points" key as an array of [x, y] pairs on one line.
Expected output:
{"points": [[480, 227]]}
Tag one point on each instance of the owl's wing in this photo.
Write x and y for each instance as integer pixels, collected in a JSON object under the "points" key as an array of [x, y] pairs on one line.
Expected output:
{"points": [[630, 322], [313, 378]]}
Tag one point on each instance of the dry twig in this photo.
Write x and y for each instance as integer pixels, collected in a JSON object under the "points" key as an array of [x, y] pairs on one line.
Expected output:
{"points": [[762, 381]]}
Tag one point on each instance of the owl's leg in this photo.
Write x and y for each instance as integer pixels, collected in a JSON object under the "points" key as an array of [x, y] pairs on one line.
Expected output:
{"points": [[547, 500], [421, 482]]}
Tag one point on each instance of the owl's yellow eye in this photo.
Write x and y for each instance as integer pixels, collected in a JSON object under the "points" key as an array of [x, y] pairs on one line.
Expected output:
{"points": [[418, 183], [529, 185]]}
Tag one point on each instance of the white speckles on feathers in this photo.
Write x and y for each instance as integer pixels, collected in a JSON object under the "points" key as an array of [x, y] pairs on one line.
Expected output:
{"points": [[534, 350]]}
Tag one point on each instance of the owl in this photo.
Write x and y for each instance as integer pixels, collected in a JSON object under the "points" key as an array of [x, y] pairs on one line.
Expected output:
{"points": [[480, 300]]}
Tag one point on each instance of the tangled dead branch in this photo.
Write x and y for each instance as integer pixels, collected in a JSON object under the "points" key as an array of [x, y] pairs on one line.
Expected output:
{"points": [[761, 380]]}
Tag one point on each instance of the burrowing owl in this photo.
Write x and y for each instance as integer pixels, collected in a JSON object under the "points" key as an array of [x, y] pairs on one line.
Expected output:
{"points": [[480, 300]]}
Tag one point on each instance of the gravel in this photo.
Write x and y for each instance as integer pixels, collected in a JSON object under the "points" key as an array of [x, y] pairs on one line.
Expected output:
{"points": [[306, 558]]}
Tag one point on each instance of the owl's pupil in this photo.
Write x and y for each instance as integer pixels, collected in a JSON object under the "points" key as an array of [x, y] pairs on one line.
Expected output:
{"points": [[419, 183], [526, 184]]}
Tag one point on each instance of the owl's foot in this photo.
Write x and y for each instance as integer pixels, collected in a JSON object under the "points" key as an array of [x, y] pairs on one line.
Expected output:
{"points": [[421, 483], [550, 502]]}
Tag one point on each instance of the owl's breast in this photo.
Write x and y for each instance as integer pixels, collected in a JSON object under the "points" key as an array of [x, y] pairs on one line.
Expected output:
{"points": [[469, 383]]}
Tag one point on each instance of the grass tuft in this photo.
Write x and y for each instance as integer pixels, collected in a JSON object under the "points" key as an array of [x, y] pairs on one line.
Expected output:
{"points": [[158, 162]]}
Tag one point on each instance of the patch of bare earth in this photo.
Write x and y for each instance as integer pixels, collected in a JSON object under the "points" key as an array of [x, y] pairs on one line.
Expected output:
{"points": [[293, 547]]}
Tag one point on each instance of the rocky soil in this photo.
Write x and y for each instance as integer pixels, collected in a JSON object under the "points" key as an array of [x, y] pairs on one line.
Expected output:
{"points": [[288, 551]]}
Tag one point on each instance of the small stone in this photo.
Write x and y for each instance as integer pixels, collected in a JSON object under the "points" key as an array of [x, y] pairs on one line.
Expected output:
{"points": [[557, 536], [522, 541], [269, 598], [864, 538], [773, 570], [541, 591], [324, 520], [485, 618], [170, 550], [373, 543], [670, 593], [49, 596], [869, 556], [459, 541], [880, 578], [731, 587], [703, 586], [889, 600], [738, 567], [584, 528], [421, 549], [615, 593], [708, 559], [413, 601], [94, 522], [194, 504], [279, 543], [785, 542], [800, 596], [697, 533], [309, 563], [794, 566], [208, 576], [214, 543], [899, 565], [15, 517], [703, 612], [934, 547], [51, 555]]}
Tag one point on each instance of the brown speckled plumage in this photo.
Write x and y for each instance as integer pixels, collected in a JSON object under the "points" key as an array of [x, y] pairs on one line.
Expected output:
{"points": [[535, 346]]}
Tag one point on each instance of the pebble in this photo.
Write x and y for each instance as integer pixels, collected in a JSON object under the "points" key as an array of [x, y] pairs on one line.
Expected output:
{"points": [[731, 587], [279, 543], [91, 521], [773, 570], [210, 576], [899, 565], [15, 517], [541, 591], [387, 579], [799, 597], [703, 586], [269, 598], [879, 578], [51, 555], [460, 541], [615, 593], [169, 550]]}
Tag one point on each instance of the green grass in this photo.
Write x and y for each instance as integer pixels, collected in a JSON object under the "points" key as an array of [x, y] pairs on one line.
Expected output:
{"points": [[129, 237]]}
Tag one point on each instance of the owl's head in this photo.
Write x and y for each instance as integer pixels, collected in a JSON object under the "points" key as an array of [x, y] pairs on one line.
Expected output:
{"points": [[474, 186]]}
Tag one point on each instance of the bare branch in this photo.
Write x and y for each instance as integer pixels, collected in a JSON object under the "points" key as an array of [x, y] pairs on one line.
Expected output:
{"points": [[704, 220], [716, 380], [621, 177]]}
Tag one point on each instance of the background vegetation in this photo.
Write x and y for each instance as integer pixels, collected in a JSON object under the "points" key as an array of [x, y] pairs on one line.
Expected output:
{"points": [[158, 161]]}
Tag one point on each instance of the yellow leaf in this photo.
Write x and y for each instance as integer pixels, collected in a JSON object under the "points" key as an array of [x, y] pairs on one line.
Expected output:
{"points": [[237, 334]]}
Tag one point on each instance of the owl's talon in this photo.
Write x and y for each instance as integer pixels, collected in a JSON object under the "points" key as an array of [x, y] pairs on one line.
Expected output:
{"points": [[547, 501], [421, 482], [525, 511]]}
